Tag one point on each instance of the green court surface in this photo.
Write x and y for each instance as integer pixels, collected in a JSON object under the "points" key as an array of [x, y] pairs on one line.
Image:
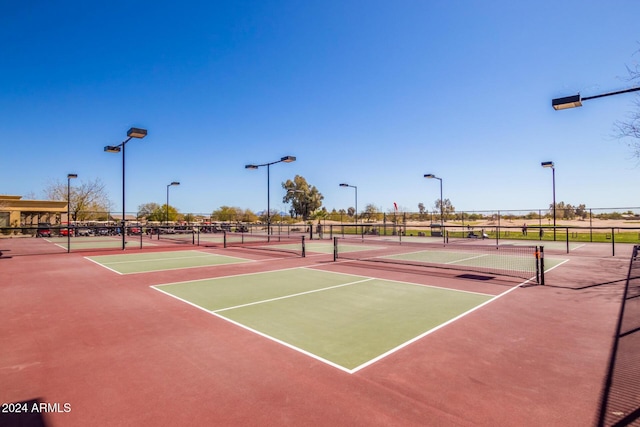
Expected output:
{"points": [[159, 261], [99, 242], [344, 320], [327, 247], [473, 259], [550, 245]]}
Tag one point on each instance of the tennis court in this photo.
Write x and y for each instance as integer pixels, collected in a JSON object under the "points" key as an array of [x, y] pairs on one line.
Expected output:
{"points": [[273, 338], [347, 321], [161, 261]]}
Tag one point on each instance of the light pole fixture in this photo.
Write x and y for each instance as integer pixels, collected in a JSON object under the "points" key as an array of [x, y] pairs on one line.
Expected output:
{"points": [[356, 188], [553, 171], [69, 178], [169, 185], [285, 159], [131, 133], [576, 100]]}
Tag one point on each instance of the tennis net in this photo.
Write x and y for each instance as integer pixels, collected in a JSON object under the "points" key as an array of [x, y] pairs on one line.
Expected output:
{"points": [[525, 262], [293, 244]]}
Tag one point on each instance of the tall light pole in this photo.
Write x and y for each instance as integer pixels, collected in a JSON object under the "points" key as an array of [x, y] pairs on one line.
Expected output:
{"points": [[553, 171], [169, 185], [356, 188], [69, 178], [131, 133], [432, 176], [285, 159]]}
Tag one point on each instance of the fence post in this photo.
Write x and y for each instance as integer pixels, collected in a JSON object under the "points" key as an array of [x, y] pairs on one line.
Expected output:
{"points": [[613, 241]]}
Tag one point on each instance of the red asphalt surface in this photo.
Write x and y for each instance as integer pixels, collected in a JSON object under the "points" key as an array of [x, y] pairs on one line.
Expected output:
{"points": [[119, 353]]}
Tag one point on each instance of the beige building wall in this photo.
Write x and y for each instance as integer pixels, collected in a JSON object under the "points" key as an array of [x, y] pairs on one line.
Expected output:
{"points": [[16, 212]]}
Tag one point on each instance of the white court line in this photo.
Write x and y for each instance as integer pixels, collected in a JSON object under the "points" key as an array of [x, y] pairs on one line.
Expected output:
{"points": [[293, 295], [262, 334], [102, 265], [314, 356], [242, 260], [225, 277], [467, 259], [205, 255], [400, 281], [190, 267], [557, 265], [440, 326]]}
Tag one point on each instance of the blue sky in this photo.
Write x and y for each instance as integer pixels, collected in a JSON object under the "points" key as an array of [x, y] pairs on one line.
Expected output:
{"points": [[372, 93]]}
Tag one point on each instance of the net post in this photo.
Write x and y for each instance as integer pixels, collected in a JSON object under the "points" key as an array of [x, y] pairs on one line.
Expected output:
{"points": [[537, 255], [224, 239], [567, 229], [541, 262], [335, 248], [303, 248]]}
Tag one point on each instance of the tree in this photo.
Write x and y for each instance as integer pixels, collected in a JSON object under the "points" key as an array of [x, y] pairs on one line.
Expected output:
{"points": [[581, 211], [305, 199], [351, 211], [447, 207], [227, 214], [248, 216], [335, 215], [630, 128], [146, 210], [370, 213], [158, 213], [168, 215], [88, 198], [320, 214]]}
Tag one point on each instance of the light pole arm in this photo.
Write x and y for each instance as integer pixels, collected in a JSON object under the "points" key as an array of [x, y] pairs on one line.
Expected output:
{"points": [[633, 89]]}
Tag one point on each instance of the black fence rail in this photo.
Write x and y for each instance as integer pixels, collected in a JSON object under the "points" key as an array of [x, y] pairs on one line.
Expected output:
{"points": [[50, 239], [620, 405], [63, 238], [557, 239]]}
